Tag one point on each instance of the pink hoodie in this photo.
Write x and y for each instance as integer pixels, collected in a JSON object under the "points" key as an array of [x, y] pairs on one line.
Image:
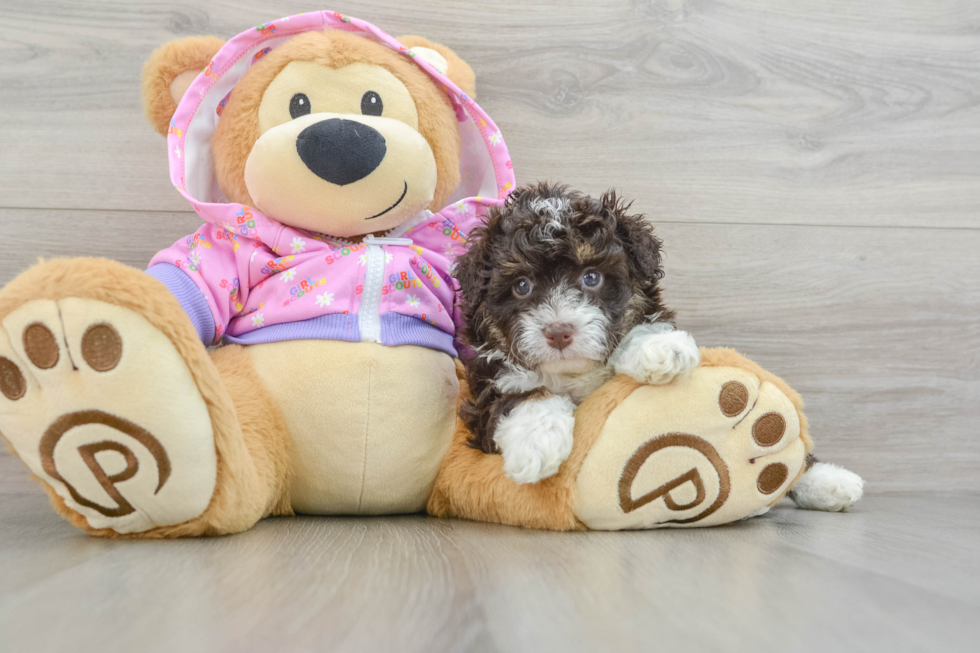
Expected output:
{"points": [[249, 279]]}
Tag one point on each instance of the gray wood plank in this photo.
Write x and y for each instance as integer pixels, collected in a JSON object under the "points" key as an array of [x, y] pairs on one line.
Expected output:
{"points": [[132, 237], [877, 328], [791, 580], [812, 112]]}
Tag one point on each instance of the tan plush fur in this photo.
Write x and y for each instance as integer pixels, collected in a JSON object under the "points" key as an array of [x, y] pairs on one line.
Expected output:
{"points": [[472, 484], [264, 429], [169, 60], [251, 470], [368, 440], [238, 128]]}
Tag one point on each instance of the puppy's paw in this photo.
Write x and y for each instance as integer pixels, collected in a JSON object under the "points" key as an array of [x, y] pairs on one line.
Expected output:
{"points": [[827, 487], [535, 438], [656, 358]]}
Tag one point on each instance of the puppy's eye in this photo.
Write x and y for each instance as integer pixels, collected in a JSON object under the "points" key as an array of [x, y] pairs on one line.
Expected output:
{"points": [[299, 105], [371, 104], [522, 287], [591, 279]]}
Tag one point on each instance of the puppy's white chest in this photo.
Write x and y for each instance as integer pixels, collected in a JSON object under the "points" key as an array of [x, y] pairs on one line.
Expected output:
{"points": [[577, 387]]}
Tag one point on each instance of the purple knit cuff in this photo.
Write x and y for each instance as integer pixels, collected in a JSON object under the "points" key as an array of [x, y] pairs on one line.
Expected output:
{"points": [[190, 297]]}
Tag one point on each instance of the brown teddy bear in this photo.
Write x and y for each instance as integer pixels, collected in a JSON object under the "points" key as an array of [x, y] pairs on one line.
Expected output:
{"points": [[337, 172]]}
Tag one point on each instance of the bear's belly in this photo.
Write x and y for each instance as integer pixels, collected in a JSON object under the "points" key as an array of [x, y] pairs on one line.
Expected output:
{"points": [[369, 424]]}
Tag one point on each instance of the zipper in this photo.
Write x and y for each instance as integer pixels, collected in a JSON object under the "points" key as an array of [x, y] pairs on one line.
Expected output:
{"points": [[369, 314]]}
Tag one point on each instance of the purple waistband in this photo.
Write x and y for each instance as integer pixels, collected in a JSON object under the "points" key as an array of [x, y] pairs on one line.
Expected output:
{"points": [[396, 330]]}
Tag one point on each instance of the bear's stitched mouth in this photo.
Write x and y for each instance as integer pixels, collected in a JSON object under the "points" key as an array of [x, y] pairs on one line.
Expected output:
{"points": [[399, 201]]}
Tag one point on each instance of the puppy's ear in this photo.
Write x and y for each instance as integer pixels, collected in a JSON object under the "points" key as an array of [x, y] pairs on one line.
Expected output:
{"points": [[169, 71], [635, 234], [475, 267], [456, 69]]}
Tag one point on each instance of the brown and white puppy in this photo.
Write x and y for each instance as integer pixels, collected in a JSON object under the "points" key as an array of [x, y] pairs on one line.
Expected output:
{"points": [[560, 292]]}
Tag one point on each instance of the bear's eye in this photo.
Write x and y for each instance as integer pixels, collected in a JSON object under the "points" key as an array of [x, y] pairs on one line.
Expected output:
{"points": [[299, 105], [371, 104]]}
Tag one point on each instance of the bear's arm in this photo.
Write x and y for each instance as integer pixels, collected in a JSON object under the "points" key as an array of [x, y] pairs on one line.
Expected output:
{"points": [[190, 297], [203, 272]]}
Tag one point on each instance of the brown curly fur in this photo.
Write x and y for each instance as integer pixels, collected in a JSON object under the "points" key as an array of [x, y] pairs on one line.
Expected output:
{"points": [[519, 241]]}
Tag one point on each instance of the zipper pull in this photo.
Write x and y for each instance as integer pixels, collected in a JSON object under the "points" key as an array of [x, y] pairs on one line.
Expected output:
{"points": [[370, 239]]}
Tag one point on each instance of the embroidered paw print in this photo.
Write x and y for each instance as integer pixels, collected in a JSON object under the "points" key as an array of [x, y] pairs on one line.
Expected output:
{"points": [[78, 406], [714, 446], [767, 431]]}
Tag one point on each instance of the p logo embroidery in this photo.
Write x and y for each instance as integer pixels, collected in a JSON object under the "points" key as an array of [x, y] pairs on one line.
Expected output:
{"points": [[704, 466], [88, 453]]}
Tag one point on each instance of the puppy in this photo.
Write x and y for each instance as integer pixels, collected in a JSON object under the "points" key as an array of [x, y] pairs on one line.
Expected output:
{"points": [[560, 292]]}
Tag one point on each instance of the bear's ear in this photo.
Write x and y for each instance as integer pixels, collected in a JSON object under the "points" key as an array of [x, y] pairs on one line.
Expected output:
{"points": [[169, 71], [458, 70]]}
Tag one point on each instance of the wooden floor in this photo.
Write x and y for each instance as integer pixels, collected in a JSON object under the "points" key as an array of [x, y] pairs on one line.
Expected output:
{"points": [[896, 574], [814, 168]]}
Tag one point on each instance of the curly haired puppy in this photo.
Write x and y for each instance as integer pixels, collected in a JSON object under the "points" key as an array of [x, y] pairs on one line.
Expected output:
{"points": [[560, 292]]}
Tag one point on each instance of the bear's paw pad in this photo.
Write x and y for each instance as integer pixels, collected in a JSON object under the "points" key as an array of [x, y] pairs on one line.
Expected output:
{"points": [[716, 446], [101, 406]]}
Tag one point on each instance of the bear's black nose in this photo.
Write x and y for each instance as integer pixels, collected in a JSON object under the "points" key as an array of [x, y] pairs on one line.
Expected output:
{"points": [[341, 151]]}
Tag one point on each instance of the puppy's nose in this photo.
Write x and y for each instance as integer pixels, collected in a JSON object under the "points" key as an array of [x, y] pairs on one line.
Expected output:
{"points": [[559, 335], [341, 151]]}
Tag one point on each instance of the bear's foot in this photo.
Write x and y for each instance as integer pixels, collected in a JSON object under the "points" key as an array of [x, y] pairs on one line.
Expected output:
{"points": [[101, 406], [722, 443], [719, 445]]}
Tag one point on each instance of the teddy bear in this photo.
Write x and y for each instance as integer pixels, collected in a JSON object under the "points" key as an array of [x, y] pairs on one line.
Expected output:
{"points": [[297, 353]]}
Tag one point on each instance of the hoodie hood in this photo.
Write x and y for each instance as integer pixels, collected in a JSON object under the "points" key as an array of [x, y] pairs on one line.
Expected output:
{"points": [[247, 278], [485, 166]]}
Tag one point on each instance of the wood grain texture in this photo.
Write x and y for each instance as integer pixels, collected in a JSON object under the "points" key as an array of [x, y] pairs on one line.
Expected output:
{"points": [[877, 328], [810, 112], [870, 580]]}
